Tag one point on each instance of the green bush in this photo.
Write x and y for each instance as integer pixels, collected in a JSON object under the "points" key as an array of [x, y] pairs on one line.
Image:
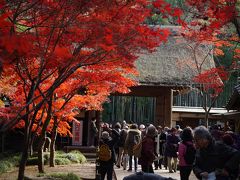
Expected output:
{"points": [[5, 166], [62, 161], [81, 158], [69, 176], [73, 156], [8, 161]]}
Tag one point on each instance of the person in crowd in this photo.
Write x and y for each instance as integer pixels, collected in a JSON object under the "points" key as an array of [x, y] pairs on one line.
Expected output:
{"points": [[142, 128], [146, 176], [93, 132], [106, 167], [179, 130], [187, 141], [121, 156], [165, 133], [148, 154], [117, 127], [228, 140], [171, 150], [214, 159], [160, 140], [216, 132], [133, 137]]}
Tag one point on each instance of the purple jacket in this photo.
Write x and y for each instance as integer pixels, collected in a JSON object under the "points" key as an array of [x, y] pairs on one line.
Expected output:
{"points": [[172, 145], [148, 151]]}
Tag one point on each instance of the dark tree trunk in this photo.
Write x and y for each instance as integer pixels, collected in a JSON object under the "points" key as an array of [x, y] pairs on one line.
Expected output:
{"points": [[52, 144], [40, 154], [23, 163], [24, 156]]}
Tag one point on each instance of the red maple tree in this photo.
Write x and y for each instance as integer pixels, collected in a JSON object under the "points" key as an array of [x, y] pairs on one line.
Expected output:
{"points": [[43, 43]]}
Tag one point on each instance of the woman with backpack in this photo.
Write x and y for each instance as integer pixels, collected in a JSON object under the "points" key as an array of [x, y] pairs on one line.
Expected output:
{"points": [[186, 153], [106, 153]]}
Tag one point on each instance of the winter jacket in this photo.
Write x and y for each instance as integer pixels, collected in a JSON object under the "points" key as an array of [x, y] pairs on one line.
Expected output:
{"points": [[123, 136], [172, 145], [110, 142], [133, 137], [215, 157], [181, 153], [148, 151]]}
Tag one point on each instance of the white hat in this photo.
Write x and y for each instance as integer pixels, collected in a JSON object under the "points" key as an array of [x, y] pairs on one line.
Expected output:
{"points": [[141, 126]]}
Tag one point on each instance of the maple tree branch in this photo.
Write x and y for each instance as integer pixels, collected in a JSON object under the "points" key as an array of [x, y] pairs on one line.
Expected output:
{"points": [[205, 58]]}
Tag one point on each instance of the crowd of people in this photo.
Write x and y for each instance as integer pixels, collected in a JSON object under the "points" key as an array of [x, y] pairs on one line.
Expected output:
{"points": [[210, 153]]}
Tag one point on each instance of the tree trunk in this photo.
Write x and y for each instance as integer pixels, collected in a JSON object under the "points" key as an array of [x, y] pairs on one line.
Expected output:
{"points": [[23, 163], [52, 144], [40, 154], [24, 156], [31, 146], [206, 118]]}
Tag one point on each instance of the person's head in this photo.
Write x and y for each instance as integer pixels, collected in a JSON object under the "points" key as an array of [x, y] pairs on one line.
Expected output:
{"points": [[202, 137], [142, 127], [134, 126], [173, 130], [117, 125], [159, 129], [166, 129], [151, 131], [228, 139], [105, 135], [177, 127], [187, 134]]}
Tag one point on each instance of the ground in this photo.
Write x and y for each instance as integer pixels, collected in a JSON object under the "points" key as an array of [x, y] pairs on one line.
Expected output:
{"points": [[86, 171]]}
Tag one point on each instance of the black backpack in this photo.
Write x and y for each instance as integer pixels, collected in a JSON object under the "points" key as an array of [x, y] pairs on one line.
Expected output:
{"points": [[189, 156]]}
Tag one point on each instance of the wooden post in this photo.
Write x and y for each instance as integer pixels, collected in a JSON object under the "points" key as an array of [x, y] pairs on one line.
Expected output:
{"points": [[168, 108], [163, 114]]}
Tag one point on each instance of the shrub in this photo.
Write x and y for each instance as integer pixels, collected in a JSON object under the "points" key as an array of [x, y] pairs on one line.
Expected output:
{"points": [[5, 166], [8, 161], [73, 156], [62, 161], [81, 158]]}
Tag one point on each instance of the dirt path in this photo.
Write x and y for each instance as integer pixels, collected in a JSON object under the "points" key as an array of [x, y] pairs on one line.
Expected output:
{"points": [[85, 171]]}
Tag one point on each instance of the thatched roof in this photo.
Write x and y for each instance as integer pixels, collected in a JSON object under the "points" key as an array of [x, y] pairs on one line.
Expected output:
{"points": [[173, 63]]}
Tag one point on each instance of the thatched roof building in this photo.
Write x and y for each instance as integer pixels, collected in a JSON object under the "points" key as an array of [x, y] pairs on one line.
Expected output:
{"points": [[173, 63], [171, 67]]}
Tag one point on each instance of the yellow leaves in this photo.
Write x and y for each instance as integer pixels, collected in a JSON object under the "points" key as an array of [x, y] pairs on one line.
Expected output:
{"points": [[2, 104]]}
